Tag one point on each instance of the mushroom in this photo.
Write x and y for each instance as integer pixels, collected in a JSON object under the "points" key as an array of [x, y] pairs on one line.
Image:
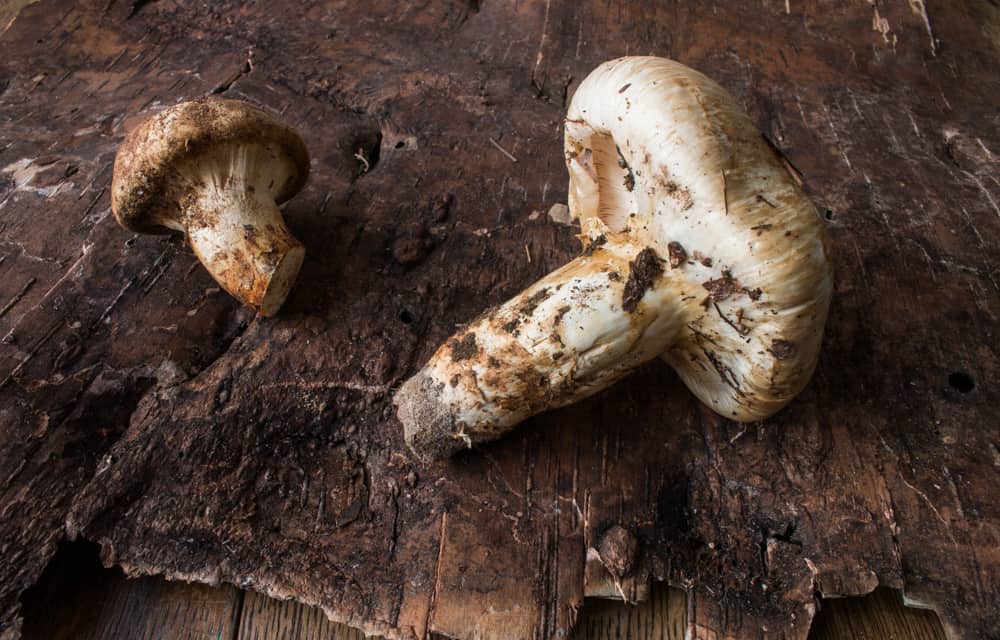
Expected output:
{"points": [[700, 248], [217, 170]]}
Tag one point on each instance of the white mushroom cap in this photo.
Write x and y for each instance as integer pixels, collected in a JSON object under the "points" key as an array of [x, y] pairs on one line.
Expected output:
{"points": [[701, 248]]}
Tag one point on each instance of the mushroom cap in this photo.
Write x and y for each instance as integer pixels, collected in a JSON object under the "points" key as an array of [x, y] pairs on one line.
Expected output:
{"points": [[147, 186], [664, 155]]}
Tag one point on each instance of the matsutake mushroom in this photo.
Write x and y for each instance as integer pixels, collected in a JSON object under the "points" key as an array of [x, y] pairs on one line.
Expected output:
{"points": [[217, 170], [699, 247]]}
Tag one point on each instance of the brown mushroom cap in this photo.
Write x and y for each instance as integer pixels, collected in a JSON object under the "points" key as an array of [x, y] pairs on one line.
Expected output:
{"points": [[147, 186]]}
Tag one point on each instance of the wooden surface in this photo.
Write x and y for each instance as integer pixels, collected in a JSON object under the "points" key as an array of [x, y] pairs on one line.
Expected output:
{"points": [[77, 599], [880, 616], [263, 618], [142, 409]]}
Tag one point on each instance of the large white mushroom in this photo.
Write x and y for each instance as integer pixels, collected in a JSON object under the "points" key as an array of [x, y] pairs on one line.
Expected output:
{"points": [[216, 170], [699, 247]]}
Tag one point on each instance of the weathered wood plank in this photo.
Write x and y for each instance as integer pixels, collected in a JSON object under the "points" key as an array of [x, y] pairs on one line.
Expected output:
{"points": [[662, 617], [873, 617], [264, 618], [77, 599], [9, 10], [141, 409]]}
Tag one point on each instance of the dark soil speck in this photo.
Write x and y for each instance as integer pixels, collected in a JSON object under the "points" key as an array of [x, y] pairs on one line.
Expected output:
{"points": [[676, 254], [464, 348], [643, 271]]}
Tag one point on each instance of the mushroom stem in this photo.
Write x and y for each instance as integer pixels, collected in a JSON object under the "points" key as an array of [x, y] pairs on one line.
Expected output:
{"points": [[238, 233], [566, 337]]}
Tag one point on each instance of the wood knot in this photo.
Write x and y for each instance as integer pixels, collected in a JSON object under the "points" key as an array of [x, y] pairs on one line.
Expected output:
{"points": [[412, 479], [619, 551], [412, 244]]}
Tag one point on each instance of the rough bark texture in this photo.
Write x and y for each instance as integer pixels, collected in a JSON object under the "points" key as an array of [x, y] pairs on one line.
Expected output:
{"points": [[144, 408]]}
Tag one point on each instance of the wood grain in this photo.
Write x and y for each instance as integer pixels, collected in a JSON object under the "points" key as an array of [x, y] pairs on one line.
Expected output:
{"points": [[142, 409], [265, 618], [9, 10], [878, 616], [77, 599], [662, 617]]}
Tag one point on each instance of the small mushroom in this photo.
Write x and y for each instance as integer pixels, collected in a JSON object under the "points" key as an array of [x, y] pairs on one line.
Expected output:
{"points": [[217, 170], [700, 248]]}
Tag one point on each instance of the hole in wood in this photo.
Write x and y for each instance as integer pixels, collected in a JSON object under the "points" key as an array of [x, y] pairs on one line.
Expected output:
{"points": [[961, 382]]}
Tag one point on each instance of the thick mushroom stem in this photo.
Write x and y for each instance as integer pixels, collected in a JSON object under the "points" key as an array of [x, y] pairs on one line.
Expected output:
{"points": [[240, 237], [564, 338]]}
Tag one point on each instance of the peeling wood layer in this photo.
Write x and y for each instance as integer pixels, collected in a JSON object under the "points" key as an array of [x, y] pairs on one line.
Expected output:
{"points": [[141, 408]]}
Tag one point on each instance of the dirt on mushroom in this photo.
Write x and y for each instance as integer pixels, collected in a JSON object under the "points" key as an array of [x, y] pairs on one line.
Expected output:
{"points": [[643, 272], [464, 348]]}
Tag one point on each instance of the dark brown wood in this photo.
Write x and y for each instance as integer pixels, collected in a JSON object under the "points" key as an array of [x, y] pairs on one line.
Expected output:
{"points": [[143, 410], [876, 616], [77, 599], [9, 10], [264, 618], [661, 617]]}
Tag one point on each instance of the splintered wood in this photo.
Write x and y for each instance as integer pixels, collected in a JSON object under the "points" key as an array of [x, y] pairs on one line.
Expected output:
{"points": [[143, 409]]}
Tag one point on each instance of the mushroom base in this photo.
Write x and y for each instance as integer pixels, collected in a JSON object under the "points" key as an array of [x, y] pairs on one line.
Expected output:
{"points": [[282, 280], [242, 240], [430, 427]]}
